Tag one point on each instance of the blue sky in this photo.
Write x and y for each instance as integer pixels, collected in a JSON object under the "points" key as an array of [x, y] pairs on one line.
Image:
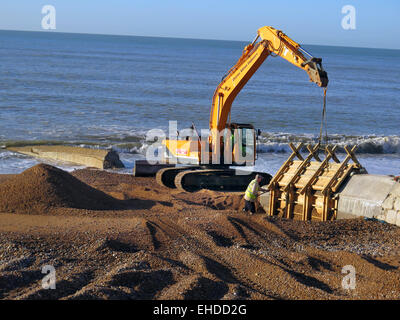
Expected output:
{"points": [[307, 21]]}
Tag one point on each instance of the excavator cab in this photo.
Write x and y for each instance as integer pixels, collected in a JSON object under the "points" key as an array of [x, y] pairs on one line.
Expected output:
{"points": [[243, 144]]}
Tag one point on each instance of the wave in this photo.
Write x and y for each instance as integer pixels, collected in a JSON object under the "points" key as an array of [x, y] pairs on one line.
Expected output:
{"points": [[267, 143], [367, 144]]}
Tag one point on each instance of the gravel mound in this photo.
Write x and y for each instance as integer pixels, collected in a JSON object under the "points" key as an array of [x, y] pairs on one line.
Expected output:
{"points": [[43, 186]]}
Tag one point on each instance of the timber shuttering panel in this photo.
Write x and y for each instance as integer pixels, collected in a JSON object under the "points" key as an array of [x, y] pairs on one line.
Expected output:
{"points": [[304, 188]]}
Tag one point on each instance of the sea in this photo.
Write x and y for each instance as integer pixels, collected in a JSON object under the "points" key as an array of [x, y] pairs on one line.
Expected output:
{"points": [[108, 92]]}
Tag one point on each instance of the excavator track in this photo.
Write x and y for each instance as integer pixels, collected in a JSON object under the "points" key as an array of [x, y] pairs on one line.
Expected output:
{"points": [[166, 177], [215, 179]]}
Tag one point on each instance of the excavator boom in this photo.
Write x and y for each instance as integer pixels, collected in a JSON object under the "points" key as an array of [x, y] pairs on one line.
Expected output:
{"points": [[272, 41]]}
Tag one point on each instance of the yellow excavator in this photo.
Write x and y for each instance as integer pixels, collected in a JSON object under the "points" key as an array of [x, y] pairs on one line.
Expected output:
{"points": [[206, 162]]}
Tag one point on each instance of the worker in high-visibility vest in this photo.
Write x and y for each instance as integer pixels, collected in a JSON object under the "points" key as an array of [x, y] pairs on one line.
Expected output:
{"points": [[251, 194]]}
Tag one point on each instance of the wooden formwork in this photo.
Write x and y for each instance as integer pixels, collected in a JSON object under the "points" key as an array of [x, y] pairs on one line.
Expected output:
{"points": [[304, 188]]}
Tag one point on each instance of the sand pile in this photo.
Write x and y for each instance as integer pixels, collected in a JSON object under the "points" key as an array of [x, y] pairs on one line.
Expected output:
{"points": [[43, 186]]}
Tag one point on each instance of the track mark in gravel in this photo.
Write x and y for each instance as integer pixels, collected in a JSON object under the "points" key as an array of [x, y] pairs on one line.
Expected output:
{"points": [[17, 263], [204, 287], [64, 287], [246, 225], [256, 229], [238, 227], [253, 234], [194, 262], [174, 263], [166, 203], [195, 287], [249, 247], [153, 231], [117, 245], [96, 292], [219, 270], [220, 240], [10, 281], [309, 281], [276, 227], [146, 284], [379, 264], [318, 264]]}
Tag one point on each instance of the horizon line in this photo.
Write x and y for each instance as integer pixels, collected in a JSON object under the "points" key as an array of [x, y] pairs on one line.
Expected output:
{"points": [[182, 38]]}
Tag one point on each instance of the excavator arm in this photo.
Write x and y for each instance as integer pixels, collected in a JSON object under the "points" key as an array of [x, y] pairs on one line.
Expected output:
{"points": [[272, 41]]}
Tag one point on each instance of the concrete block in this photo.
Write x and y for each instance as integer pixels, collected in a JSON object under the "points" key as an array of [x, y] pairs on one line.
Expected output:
{"points": [[391, 216], [96, 158], [363, 195], [396, 189], [388, 202], [396, 205], [381, 217], [369, 186], [350, 207], [398, 219], [263, 199]]}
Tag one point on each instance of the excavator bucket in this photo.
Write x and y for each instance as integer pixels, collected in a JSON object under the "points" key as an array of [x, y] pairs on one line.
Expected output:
{"points": [[316, 72], [303, 189]]}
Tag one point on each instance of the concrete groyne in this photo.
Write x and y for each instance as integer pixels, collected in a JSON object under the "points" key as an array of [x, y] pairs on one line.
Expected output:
{"points": [[97, 158]]}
